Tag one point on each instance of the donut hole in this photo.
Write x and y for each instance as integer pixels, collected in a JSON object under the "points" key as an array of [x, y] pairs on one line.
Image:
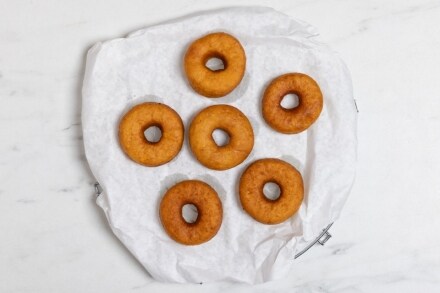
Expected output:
{"points": [[220, 137], [271, 191], [153, 133], [290, 101], [215, 64], [190, 213]]}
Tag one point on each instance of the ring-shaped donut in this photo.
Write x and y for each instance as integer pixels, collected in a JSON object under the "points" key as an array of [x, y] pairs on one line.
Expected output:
{"points": [[209, 207], [137, 147], [252, 197], [215, 83], [300, 118], [234, 123]]}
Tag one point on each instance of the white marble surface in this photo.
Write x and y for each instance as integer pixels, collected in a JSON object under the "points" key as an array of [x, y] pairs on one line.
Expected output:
{"points": [[55, 239]]}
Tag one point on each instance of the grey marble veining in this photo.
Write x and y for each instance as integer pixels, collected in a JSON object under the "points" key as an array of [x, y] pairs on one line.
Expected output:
{"points": [[55, 239]]}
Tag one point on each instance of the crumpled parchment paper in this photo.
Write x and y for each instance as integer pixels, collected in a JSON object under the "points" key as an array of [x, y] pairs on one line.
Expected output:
{"points": [[147, 66]]}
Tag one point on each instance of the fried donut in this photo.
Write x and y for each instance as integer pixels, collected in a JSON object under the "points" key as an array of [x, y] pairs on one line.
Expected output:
{"points": [[137, 147], [208, 204], [252, 198], [299, 118], [215, 83], [234, 123]]}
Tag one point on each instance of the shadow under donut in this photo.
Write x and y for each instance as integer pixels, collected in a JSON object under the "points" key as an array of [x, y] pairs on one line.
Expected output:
{"points": [[293, 161]]}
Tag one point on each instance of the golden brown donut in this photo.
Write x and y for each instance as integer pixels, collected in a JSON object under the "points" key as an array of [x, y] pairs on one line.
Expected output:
{"points": [[252, 197], [208, 204], [218, 83], [297, 119], [137, 147], [234, 123]]}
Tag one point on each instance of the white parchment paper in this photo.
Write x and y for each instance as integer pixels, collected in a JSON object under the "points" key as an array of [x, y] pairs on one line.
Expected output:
{"points": [[147, 66]]}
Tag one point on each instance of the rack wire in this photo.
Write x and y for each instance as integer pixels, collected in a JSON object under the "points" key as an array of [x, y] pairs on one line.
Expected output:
{"points": [[321, 239]]}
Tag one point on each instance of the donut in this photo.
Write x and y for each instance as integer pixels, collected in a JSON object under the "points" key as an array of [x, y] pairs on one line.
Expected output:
{"points": [[215, 83], [209, 207], [137, 147], [234, 123], [252, 198], [298, 119]]}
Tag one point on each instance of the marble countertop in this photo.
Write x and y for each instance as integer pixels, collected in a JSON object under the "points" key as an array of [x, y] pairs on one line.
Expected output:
{"points": [[55, 239]]}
